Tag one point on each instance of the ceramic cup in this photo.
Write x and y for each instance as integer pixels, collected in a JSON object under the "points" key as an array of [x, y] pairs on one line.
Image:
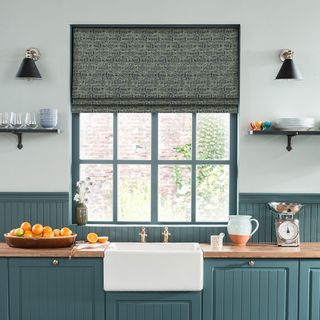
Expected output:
{"points": [[48, 118], [217, 241]]}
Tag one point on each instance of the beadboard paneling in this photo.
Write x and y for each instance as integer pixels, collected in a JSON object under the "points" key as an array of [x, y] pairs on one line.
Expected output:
{"points": [[53, 209], [45, 208], [153, 305], [257, 206], [131, 233]]}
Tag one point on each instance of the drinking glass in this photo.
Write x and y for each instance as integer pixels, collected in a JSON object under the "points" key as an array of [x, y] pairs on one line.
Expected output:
{"points": [[30, 120], [15, 120], [4, 119]]}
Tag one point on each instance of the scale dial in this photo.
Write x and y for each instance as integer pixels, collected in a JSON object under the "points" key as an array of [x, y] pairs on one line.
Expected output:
{"points": [[288, 230]]}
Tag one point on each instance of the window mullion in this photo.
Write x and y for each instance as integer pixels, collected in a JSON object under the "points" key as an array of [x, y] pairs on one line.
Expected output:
{"points": [[115, 168], [154, 168], [193, 167]]}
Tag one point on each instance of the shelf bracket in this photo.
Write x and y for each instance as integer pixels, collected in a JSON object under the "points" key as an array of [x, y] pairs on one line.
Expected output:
{"points": [[19, 135], [289, 144]]}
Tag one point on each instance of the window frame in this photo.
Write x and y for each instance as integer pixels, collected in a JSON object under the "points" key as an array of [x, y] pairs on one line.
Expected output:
{"points": [[154, 162]]}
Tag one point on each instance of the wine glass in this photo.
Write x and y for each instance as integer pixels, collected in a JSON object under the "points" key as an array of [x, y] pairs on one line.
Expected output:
{"points": [[15, 120], [4, 119], [30, 120]]}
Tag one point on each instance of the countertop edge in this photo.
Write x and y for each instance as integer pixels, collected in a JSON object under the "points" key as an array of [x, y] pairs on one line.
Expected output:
{"points": [[252, 251]]}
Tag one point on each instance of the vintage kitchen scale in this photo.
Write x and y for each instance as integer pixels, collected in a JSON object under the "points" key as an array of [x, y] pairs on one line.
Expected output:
{"points": [[286, 224]]}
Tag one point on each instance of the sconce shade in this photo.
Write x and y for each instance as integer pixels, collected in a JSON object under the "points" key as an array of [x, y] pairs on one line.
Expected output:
{"points": [[288, 70], [28, 69]]}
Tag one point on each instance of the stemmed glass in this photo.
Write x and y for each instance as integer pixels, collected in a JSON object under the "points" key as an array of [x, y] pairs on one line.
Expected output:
{"points": [[30, 120], [15, 120], [4, 119]]}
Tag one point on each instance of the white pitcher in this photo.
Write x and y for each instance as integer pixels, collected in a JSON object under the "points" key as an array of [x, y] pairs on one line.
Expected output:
{"points": [[240, 229]]}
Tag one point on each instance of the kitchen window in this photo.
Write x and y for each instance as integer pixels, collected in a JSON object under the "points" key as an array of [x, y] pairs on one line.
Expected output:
{"points": [[155, 168]]}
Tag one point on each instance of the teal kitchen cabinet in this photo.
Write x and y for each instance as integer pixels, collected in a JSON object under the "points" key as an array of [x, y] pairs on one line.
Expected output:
{"points": [[309, 293], [153, 305], [4, 283], [51, 289], [243, 289]]}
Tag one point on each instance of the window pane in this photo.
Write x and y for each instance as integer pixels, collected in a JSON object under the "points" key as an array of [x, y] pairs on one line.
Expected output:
{"points": [[134, 136], [175, 136], [174, 193], [134, 192], [100, 191], [212, 193], [213, 136], [96, 136]]}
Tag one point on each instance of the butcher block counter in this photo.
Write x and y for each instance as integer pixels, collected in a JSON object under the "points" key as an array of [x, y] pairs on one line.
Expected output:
{"points": [[265, 250]]}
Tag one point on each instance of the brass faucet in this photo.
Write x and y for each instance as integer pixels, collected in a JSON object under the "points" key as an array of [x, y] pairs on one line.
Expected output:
{"points": [[143, 234], [166, 235]]}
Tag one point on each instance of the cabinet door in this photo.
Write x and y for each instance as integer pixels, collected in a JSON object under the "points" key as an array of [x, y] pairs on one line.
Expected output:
{"points": [[4, 289], [41, 288], [309, 300], [153, 306], [237, 289]]}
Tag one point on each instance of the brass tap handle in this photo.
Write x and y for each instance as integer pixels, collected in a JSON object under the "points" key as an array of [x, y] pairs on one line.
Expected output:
{"points": [[166, 234], [143, 235]]}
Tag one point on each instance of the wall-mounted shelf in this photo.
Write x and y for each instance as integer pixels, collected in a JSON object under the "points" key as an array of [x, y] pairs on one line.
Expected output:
{"points": [[19, 132], [289, 134]]}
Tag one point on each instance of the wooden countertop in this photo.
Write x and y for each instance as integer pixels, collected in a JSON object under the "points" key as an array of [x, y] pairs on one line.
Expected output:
{"points": [[264, 250], [271, 251], [6, 251]]}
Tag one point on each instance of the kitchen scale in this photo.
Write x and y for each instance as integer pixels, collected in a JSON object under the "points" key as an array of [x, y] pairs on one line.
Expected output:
{"points": [[286, 224]]}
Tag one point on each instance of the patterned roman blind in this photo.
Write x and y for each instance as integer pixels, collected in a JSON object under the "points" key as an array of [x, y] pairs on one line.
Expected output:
{"points": [[155, 68]]}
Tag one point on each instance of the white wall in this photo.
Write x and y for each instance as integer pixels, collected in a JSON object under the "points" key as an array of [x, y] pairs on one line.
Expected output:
{"points": [[266, 27]]}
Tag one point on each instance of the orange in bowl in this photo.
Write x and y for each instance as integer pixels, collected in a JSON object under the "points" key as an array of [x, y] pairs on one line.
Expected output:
{"points": [[28, 234], [37, 229], [65, 232], [26, 226], [47, 229], [92, 237], [48, 234], [37, 235], [56, 232], [103, 239], [12, 232]]}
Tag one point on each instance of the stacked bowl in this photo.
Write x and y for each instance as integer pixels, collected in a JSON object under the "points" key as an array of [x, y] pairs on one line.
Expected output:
{"points": [[295, 124], [48, 118]]}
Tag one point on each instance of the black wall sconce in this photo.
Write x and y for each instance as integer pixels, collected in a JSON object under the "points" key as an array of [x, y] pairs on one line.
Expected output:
{"points": [[288, 69], [28, 68]]}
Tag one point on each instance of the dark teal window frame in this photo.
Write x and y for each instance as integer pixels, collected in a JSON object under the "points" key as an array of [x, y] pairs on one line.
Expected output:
{"points": [[154, 162]]}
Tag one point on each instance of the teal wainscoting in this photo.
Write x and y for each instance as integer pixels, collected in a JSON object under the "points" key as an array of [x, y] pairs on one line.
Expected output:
{"points": [[256, 205], [46, 208], [4, 289], [53, 209]]}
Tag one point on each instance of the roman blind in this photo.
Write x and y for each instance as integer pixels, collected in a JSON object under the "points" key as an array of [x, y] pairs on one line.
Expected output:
{"points": [[155, 68]]}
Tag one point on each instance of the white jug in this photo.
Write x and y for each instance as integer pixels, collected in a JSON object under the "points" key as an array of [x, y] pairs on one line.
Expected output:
{"points": [[240, 229]]}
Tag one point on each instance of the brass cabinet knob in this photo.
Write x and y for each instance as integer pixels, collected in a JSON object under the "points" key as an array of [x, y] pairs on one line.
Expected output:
{"points": [[251, 263], [55, 262]]}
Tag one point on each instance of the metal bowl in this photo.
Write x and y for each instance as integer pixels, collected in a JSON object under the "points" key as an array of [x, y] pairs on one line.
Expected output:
{"points": [[285, 207], [56, 242]]}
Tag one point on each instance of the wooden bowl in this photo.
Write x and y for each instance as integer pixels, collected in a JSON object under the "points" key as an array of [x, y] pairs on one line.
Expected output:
{"points": [[56, 242]]}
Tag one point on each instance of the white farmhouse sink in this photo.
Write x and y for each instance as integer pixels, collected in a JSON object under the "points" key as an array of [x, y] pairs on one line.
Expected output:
{"points": [[153, 267]]}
